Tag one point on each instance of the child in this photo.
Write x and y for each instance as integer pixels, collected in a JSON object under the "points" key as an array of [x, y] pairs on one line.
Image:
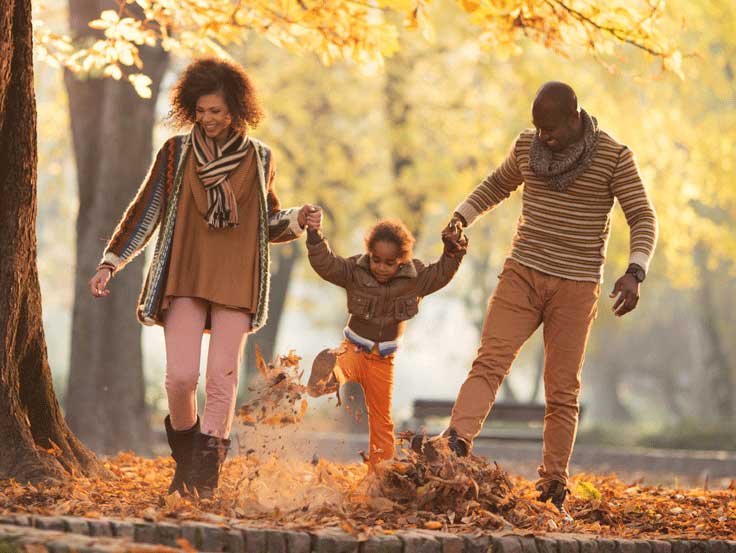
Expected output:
{"points": [[384, 287]]}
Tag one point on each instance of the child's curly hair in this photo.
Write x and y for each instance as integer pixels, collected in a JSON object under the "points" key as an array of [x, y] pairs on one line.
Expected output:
{"points": [[393, 231], [209, 75]]}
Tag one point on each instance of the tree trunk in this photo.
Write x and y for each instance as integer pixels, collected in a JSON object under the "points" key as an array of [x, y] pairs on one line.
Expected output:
{"points": [[718, 365], [607, 407], [31, 422], [112, 133]]}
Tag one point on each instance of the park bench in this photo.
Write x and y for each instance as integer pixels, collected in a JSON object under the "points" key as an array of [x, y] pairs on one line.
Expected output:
{"points": [[521, 421]]}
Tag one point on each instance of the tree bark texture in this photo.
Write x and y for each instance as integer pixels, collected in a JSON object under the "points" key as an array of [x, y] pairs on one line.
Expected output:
{"points": [[36, 442]]}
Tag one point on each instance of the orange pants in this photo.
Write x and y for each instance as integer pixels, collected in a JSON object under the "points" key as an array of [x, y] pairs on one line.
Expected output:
{"points": [[523, 299], [376, 376]]}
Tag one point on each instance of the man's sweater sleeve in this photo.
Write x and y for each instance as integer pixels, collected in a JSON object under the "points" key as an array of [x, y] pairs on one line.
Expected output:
{"points": [[495, 188], [629, 189]]}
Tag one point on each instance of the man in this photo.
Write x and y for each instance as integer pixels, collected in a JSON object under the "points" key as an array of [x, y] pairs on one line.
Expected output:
{"points": [[571, 171]]}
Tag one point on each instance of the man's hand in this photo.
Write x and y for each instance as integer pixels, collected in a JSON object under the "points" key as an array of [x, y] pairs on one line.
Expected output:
{"points": [[627, 290], [456, 220], [456, 243]]}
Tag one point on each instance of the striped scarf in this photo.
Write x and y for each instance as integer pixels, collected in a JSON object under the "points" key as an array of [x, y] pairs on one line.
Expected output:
{"points": [[214, 165]]}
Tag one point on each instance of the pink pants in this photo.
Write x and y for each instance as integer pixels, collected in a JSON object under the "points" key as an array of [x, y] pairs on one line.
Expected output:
{"points": [[183, 327]]}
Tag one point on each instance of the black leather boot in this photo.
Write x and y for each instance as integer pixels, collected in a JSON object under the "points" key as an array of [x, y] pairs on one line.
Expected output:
{"points": [[182, 449], [209, 455]]}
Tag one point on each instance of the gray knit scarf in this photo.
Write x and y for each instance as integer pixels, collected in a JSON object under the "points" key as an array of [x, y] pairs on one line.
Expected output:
{"points": [[560, 173]]}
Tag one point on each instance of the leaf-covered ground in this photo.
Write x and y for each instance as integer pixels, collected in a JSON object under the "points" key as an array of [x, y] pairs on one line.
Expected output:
{"points": [[450, 495], [435, 491]]}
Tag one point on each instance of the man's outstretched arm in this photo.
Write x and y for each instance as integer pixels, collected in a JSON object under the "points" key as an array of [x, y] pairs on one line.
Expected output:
{"points": [[494, 189]]}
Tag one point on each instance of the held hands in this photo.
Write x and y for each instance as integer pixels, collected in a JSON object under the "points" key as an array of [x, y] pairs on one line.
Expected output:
{"points": [[456, 243], [457, 220], [310, 216], [627, 290], [98, 283]]}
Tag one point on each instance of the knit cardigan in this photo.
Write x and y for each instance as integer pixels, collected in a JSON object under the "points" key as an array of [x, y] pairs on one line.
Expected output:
{"points": [[156, 204]]}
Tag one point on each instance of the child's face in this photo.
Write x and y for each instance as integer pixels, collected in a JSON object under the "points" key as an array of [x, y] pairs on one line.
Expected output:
{"points": [[384, 261]]}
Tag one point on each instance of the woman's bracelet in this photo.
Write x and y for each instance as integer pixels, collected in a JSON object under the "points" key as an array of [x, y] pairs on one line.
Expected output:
{"points": [[106, 265]]}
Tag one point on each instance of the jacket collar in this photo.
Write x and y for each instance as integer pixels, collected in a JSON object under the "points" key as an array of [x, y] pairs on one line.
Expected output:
{"points": [[406, 270]]}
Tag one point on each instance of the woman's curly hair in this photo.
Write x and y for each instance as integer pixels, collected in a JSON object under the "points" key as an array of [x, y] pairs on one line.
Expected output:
{"points": [[393, 231], [209, 75]]}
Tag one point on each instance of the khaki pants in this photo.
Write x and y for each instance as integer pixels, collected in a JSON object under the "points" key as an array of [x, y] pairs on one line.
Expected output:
{"points": [[376, 375], [525, 298]]}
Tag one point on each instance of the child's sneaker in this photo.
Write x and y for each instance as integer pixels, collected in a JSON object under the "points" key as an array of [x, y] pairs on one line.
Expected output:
{"points": [[322, 379]]}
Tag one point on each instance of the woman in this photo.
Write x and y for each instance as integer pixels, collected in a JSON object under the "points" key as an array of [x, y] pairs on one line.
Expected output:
{"points": [[212, 192]]}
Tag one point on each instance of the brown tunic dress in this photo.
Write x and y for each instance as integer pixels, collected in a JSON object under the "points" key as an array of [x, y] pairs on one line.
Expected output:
{"points": [[220, 266]]}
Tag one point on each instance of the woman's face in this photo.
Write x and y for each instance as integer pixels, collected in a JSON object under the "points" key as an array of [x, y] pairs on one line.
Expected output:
{"points": [[214, 116], [384, 261]]}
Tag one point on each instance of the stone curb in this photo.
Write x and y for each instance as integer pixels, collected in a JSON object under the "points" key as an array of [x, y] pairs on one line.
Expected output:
{"points": [[64, 534], [17, 539]]}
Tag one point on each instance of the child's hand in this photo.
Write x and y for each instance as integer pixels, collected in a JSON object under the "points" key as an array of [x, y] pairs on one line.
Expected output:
{"points": [[456, 243], [310, 216], [314, 218]]}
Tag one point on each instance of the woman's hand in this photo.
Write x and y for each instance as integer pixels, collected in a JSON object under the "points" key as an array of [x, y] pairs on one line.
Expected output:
{"points": [[310, 216], [98, 283]]}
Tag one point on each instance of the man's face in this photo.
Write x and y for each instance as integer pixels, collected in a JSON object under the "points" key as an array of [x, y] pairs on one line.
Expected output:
{"points": [[556, 130]]}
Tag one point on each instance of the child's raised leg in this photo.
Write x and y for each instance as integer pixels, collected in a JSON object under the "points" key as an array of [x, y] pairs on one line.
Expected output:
{"points": [[375, 374]]}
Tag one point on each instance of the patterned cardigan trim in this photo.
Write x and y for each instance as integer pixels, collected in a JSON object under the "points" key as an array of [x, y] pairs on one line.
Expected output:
{"points": [[156, 204]]}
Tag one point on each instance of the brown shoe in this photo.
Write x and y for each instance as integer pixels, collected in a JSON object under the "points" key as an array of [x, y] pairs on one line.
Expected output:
{"points": [[322, 379], [421, 445]]}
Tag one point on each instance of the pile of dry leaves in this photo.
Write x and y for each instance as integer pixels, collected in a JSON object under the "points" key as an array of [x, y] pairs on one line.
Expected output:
{"points": [[451, 495], [433, 491]]}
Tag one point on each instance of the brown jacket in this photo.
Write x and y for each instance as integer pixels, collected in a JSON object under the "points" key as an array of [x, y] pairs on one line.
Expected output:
{"points": [[378, 311]]}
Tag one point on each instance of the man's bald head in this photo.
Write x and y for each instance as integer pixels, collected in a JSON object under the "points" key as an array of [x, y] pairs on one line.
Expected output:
{"points": [[555, 115], [556, 97]]}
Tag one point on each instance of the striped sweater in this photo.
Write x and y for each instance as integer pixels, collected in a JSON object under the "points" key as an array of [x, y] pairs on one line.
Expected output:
{"points": [[565, 234], [155, 206]]}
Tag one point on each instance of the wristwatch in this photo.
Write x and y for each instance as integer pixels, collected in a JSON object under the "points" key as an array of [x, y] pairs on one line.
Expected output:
{"points": [[638, 273]]}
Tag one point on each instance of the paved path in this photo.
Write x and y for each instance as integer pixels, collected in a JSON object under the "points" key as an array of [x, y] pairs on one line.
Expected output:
{"points": [[34, 534]]}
